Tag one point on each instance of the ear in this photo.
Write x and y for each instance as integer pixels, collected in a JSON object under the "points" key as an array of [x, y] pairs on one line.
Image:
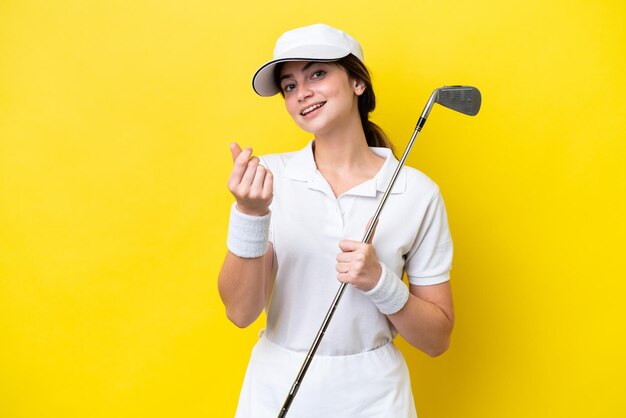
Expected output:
{"points": [[359, 87]]}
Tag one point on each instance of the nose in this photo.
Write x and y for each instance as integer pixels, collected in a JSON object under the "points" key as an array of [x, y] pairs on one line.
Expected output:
{"points": [[304, 92]]}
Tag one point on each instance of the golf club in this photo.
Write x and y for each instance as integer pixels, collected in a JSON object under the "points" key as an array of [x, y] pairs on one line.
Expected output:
{"points": [[463, 99]]}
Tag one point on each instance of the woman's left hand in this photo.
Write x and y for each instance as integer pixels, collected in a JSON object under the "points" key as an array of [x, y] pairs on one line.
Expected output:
{"points": [[358, 265]]}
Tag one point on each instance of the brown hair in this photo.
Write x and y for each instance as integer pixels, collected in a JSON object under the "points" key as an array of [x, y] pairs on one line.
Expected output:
{"points": [[375, 136], [356, 70]]}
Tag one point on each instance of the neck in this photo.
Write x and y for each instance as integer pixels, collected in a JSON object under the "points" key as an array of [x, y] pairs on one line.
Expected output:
{"points": [[342, 149], [344, 159]]}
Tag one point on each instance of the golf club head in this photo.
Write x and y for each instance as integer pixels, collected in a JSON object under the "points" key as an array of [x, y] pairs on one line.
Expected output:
{"points": [[463, 99]]}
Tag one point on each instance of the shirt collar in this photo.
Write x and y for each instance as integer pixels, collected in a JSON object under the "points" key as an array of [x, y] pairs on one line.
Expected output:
{"points": [[301, 167]]}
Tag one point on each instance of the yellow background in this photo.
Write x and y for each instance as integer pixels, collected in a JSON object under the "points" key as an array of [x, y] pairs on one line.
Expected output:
{"points": [[115, 119]]}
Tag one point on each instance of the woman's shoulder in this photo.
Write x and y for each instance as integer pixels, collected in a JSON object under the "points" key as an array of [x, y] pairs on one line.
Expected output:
{"points": [[419, 182], [294, 162], [278, 160]]}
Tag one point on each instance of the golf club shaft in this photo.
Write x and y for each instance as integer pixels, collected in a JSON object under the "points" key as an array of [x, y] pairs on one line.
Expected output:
{"points": [[366, 239]]}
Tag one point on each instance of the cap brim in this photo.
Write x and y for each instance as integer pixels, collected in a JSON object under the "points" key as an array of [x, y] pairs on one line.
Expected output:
{"points": [[263, 81]]}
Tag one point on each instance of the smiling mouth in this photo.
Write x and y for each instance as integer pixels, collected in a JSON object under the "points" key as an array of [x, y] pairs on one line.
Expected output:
{"points": [[312, 108]]}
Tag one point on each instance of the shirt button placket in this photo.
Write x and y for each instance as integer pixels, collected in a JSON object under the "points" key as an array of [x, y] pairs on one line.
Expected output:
{"points": [[340, 214], [334, 223]]}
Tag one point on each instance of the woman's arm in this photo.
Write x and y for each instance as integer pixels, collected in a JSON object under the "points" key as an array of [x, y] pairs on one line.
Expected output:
{"points": [[426, 319], [245, 285], [244, 281]]}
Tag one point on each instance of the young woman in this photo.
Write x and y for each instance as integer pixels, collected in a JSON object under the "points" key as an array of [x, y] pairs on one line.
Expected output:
{"points": [[295, 232]]}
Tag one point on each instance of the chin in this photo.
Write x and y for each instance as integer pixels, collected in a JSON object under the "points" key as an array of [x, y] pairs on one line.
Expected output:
{"points": [[315, 127], [307, 127]]}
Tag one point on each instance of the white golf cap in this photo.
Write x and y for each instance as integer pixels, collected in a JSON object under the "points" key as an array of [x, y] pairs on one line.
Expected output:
{"points": [[309, 43]]}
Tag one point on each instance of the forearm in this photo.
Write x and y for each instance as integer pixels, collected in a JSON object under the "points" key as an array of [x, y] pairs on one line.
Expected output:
{"points": [[243, 284], [424, 324], [423, 315], [244, 280]]}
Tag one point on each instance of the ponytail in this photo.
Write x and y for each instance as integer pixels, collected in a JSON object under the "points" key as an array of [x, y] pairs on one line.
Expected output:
{"points": [[374, 135]]}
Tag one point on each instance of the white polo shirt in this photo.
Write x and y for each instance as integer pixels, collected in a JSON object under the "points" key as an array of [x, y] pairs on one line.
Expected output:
{"points": [[308, 222]]}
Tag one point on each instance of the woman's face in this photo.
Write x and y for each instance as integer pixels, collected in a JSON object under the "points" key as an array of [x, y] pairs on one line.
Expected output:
{"points": [[319, 96]]}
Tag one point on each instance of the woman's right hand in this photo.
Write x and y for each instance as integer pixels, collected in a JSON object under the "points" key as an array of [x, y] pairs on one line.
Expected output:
{"points": [[250, 183]]}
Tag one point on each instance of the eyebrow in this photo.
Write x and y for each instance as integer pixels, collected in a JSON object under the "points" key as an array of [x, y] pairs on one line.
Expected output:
{"points": [[306, 67]]}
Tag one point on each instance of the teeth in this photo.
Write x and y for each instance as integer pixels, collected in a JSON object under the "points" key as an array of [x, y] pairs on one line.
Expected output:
{"points": [[311, 108]]}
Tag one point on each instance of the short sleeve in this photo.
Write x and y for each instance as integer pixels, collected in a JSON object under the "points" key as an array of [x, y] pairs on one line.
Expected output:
{"points": [[429, 260]]}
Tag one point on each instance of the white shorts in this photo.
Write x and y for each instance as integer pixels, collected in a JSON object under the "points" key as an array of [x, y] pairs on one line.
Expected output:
{"points": [[372, 384]]}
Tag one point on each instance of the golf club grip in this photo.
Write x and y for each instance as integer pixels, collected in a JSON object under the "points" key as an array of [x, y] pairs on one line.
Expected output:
{"points": [[367, 238]]}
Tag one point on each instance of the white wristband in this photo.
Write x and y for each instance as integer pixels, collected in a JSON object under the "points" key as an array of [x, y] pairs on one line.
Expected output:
{"points": [[390, 294], [248, 236]]}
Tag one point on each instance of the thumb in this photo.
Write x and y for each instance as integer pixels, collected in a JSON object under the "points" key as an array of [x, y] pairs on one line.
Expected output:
{"points": [[235, 150], [348, 245]]}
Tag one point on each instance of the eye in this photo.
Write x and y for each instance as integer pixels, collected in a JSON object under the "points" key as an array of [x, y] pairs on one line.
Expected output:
{"points": [[318, 74], [287, 87]]}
